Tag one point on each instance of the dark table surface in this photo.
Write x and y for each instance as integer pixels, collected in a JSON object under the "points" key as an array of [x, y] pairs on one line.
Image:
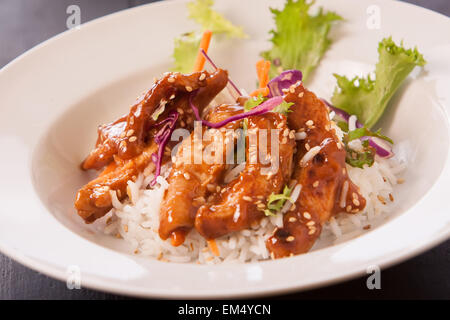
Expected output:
{"points": [[25, 23]]}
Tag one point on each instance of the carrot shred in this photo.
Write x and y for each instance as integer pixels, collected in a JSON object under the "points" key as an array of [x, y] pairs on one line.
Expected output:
{"points": [[213, 247], [262, 72], [204, 44], [264, 91]]}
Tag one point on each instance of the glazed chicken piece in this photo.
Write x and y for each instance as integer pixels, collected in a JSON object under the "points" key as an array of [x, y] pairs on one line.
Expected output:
{"points": [[128, 136], [320, 170], [192, 177], [93, 200], [241, 203]]}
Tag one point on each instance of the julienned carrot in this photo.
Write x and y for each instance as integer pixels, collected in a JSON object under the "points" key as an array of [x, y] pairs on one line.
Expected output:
{"points": [[264, 91], [204, 44], [213, 247], [262, 71]]}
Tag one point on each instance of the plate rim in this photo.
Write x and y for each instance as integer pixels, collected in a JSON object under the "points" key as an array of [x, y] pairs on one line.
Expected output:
{"points": [[98, 284]]}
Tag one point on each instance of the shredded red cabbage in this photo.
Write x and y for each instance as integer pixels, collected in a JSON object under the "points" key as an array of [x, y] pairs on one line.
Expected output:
{"points": [[235, 88], [264, 107], [161, 138], [283, 81], [382, 148]]}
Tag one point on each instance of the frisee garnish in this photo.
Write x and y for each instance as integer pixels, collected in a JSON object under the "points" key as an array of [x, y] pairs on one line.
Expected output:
{"points": [[299, 39], [367, 98], [201, 11], [276, 201], [186, 46]]}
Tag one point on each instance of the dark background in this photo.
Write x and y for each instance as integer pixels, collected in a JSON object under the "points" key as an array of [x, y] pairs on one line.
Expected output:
{"points": [[25, 23]]}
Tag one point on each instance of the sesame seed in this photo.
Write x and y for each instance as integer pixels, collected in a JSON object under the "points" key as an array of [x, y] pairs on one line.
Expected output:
{"points": [[210, 187], [172, 97], [292, 207], [171, 80], [284, 141], [286, 132], [261, 205], [354, 195], [188, 88], [280, 125], [309, 123], [292, 89], [307, 147], [312, 231], [292, 219], [133, 138], [310, 223], [131, 120], [316, 184], [290, 239], [122, 135], [130, 132], [247, 198], [186, 176], [122, 144], [202, 77], [200, 200], [218, 188], [260, 197], [292, 134], [307, 215], [285, 90], [180, 111], [349, 208], [300, 94], [381, 199], [356, 202]]}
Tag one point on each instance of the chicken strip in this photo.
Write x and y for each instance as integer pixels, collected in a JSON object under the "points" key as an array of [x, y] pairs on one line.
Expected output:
{"points": [[239, 204], [320, 170], [129, 135], [93, 200], [189, 181]]}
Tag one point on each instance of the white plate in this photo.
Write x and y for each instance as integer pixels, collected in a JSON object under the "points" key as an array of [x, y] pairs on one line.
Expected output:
{"points": [[53, 97]]}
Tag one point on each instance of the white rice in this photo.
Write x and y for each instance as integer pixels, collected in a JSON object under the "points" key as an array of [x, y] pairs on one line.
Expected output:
{"points": [[137, 219]]}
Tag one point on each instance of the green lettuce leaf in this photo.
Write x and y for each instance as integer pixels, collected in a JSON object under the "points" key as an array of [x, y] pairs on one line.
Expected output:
{"points": [[185, 51], [186, 46], [201, 11], [299, 39], [367, 98]]}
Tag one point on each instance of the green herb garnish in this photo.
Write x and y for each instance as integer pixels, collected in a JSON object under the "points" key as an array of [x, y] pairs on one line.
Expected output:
{"points": [[299, 39]]}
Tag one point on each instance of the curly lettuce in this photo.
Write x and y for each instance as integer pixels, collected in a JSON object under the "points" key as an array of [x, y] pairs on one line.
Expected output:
{"points": [[186, 46], [185, 51], [368, 98], [201, 11], [299, 39]]}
